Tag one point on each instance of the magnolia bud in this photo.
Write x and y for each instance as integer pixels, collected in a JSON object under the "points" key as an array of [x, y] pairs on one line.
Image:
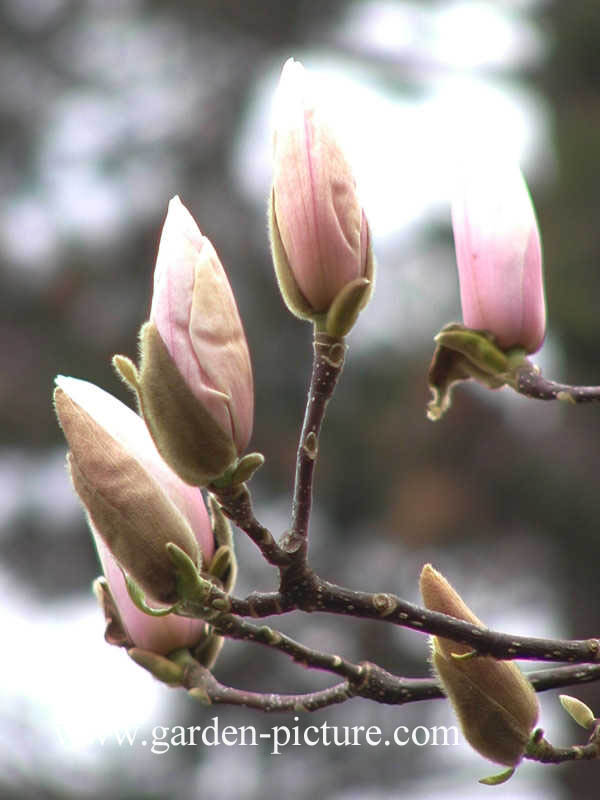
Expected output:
{"points": [[319, 233], [194, 384], [498, 252], [134, 502], [495, 704]]}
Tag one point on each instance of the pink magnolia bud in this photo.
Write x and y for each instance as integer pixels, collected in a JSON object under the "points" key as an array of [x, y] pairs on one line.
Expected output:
{"points": [[196, 315], [498, 252], [194, 383], [135, 504], [315, 213]]}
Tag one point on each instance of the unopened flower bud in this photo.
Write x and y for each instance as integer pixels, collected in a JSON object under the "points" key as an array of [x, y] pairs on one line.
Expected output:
{"points": [[194, 384], [495, 704], [319, 234], [498, 252], [135, 503]]}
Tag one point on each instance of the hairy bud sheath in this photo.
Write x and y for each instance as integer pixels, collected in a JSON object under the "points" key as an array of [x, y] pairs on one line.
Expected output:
{"points": [[319, 233], [499, 257], [194, 385], [135, 504], [495, 704]]}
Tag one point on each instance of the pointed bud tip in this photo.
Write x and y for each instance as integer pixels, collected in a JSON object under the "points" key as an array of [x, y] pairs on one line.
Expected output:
{"points": [[496, 780], [126, 370]]}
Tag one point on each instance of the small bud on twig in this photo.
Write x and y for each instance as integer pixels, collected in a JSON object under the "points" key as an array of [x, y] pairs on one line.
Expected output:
{"points": [[579, 711]]}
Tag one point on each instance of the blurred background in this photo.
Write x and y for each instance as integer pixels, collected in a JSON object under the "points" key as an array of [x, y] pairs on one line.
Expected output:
{"points": [[108, 109]]}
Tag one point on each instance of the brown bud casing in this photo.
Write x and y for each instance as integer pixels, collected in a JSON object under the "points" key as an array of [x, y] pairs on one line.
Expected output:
{"points": [[496, 705], [125, 504]]}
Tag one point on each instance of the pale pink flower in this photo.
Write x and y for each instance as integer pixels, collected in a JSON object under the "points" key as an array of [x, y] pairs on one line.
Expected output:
{"points": [[498, 252], [321, 222], [196, 316]]}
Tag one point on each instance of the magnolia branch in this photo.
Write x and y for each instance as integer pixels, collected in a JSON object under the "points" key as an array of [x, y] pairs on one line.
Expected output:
{"points": [[289, 554], [539, 749], [369, 680], [203, 686], [328, 362], [316, 594], [301, 589], [376, 684], [236, 503], [531, 383], [366, 680]]}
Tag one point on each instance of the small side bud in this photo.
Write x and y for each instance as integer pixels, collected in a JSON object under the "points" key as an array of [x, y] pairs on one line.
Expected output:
{"points": [[496, 780], [220, 524], [127, 371], [201, 695], [224, 567], [224, 564], [190, 584], [162, 668], [209, 648], [346, 307], [246, 467], [582, 714], [495, 704]]}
